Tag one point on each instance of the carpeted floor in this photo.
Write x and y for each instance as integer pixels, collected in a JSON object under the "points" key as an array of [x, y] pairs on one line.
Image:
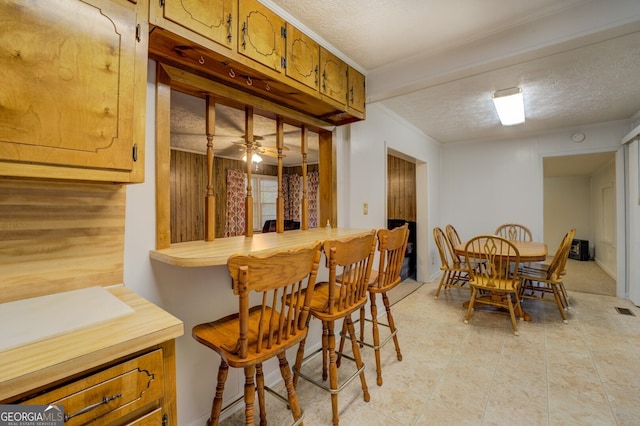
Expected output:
{"points": [[588, 277]]}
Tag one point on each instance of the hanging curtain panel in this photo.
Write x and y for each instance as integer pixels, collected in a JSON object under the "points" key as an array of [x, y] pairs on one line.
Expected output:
{"points": [[236, 192]]}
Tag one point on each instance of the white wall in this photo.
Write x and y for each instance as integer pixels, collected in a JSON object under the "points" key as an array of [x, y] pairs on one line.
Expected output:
{"points": [[604, 241], [485, 184], [369, 142], [567, 204], [633, 221]]}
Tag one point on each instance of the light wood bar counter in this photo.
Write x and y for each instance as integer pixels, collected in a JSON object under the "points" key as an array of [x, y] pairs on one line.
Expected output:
{"points": [[212, 253]]}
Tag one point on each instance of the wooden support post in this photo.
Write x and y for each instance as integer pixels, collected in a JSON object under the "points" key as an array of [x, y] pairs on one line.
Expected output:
{"points": [[280, 198], [209, 200], [248, 128], [305, 201]]}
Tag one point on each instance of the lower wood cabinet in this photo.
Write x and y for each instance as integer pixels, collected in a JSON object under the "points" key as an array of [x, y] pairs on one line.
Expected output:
{"points": [[128, 393]]}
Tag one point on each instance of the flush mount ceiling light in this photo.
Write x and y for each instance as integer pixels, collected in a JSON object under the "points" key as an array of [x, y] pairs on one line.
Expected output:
{"points": [[510, 106], [255, 158]]}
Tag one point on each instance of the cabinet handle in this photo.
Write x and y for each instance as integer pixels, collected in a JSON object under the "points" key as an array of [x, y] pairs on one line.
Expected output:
{"points": [[229, 22], [105, 400], [244, 36]]}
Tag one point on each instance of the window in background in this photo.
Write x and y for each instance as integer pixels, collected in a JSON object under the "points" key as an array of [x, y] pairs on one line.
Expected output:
{"points": [[265, 193]]}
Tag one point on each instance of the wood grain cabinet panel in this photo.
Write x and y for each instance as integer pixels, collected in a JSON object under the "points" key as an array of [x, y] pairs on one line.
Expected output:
{"points": [[214, 19], [68, 81], [302, 58], [112, 394], [261, 34], [357, 90], [333, 80]]}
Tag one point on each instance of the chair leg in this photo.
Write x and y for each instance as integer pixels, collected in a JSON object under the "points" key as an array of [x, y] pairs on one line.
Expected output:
{"points": [[474, 292], [556, 294], [512, 313], [333, 368], [445, 277], [285, 371], [325, 348], [216, 406], [358, 357], [376, 336], [300, 355], [392, 325], [249, 394], [260, 391], [342, 337]]}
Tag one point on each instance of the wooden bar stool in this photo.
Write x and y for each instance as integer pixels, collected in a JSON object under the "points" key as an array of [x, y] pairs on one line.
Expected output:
{"points": [[285, 280], [335, 300], [392, 246]]}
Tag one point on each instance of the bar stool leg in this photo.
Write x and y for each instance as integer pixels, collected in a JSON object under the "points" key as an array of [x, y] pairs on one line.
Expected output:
{"points": [[292, 397], [356, 354], [392, 325], [376, 336], [260, 389], [249, 394], [216, 406], [333, 368]]}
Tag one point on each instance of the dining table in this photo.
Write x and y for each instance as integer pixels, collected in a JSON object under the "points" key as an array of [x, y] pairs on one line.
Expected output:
{"points": [[530, 251]]}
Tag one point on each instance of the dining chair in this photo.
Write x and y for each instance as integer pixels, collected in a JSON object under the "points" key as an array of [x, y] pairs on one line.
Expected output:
{"points": [[352, 260], [537, 281], [455, 273], [392, 245], [514, 231], [253, 335], [497, 278], [454, 239]]}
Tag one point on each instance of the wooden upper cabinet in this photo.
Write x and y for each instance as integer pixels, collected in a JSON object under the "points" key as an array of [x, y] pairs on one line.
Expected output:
{"points": [[214, 19], [261, 34], [70, 88], [357, 90], [333, 76], [302, 58]]}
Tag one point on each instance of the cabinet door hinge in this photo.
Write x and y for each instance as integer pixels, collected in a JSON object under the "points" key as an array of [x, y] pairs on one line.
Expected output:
{"points": [[165, 419], [134, 152], [161, 3], [138, 33], [283, 62], [283, 32], [229, 25]]}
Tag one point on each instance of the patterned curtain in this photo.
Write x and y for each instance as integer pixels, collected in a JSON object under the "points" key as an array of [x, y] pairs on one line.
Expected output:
{"points": [[285, 196], [312, 194], [236, 192], [294, 194]]}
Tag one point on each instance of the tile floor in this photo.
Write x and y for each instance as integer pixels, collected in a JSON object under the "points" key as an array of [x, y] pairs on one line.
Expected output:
{"points": [[586, 372]]}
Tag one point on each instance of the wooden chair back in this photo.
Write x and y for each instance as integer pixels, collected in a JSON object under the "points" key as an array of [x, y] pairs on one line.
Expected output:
{"points": [[454, 239], [351, 260], [559, 261], [514, 232], [392, 245], [278, 278], [499, 259], [448, 258]]}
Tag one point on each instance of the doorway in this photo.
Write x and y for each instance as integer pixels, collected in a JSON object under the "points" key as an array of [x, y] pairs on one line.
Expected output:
{"points": [[401, 206], [579, 192]]}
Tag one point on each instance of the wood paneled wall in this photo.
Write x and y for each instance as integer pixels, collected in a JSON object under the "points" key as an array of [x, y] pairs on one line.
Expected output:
{"points": [[59, 236], [189, 187], [401, 189]]}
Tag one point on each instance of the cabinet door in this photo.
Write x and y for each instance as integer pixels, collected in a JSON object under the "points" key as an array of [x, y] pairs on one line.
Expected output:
{"points": [[213, 19], [303, 56], [357, 93], [67, 82], [261, 34], [333, 79]]}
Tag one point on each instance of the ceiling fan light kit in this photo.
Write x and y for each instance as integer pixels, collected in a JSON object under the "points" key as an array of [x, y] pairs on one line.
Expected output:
{"points": [[509, 104]]}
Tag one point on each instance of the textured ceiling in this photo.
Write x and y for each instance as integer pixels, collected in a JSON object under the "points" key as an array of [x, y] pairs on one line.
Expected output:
{"points": [[436, 63]]}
